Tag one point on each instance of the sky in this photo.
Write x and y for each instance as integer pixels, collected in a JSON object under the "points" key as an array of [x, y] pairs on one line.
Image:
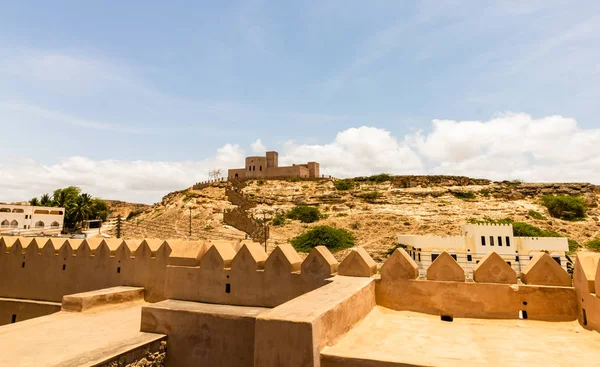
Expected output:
{"points": [[132, 100]]}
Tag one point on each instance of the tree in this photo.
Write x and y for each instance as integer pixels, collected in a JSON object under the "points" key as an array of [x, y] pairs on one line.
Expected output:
{"points": [[83, 208], [34, 202], [45, 200]]}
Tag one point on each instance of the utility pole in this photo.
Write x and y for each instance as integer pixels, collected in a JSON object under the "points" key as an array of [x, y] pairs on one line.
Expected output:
{"points": [[190, 222], [119, 226], [265, 224]]}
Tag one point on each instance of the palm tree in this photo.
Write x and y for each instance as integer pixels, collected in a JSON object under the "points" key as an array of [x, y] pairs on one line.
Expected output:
{"points": [[82, 209], [34, 202], [45, 200]]}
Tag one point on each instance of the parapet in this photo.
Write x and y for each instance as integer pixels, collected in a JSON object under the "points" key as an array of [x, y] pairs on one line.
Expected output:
{"points": [[283, 259], [358, 263], [492, 269], [399, 266], [445, 268], [320, 263], [543, 270], [589, 264]]}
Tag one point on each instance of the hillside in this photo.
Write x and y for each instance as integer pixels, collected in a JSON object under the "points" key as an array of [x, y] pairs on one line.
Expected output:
{"points": [[406, 204]]}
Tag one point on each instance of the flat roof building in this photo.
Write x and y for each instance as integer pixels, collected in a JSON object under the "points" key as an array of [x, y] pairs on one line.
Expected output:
{"points": [[477, 240], [27, 219]]}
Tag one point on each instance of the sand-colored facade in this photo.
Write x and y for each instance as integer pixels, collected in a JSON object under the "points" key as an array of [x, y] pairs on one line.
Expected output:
{"points": [[27, 219], [268, 167], [210, 299], [478, 240]]}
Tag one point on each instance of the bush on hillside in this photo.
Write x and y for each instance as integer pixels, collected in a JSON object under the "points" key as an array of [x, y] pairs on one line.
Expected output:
{"points": [[332, 238], [593, 244], [134, 213], [465, 195], [278, 220], [343, 185], [535, 215], [573, 246], [304, 213], [382, 177], [369, 196], [565, 207]]}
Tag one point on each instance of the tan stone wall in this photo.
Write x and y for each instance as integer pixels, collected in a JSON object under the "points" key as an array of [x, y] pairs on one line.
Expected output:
{"points": [[202, 334], [225, 279], [478, 300], [588, 302], [294, 333], [24, 310], [41, 269]]}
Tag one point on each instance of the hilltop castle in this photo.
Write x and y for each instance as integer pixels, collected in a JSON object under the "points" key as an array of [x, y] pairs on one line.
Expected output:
{"points": [[268, 167]]}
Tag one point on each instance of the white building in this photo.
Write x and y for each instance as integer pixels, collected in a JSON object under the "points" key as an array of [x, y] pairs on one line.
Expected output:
{"points": [[477, 240], [26, 219]]}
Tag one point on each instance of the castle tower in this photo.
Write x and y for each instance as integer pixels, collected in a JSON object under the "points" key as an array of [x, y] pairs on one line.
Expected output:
{"points": [[272, 159]]}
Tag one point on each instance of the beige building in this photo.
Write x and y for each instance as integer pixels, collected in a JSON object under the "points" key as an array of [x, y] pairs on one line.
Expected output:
{"points": [[477, 240], [27, 219], [268, 167]]}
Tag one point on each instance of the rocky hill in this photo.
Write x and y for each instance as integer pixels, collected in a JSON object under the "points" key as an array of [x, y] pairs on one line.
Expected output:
{"points": [[376, 212]]}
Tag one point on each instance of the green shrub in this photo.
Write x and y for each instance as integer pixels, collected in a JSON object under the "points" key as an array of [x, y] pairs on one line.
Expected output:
{"points": [[370, 196], [341, 215], [535, 215], [392, 249], [260, 182], [343, 185], [593, 244], [134, 213], [208, 228], [513, 182], [304, 187], [465, 195], [278, 220], [573, 246], [294, 179], [332, 238], [564, 206], [189, 196], [382, 177], [355, 225], [484, 192], [304, 213]]}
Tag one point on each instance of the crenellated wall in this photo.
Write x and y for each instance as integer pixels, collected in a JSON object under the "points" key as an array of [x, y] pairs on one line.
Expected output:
{"points": [[586, 279], [546, 295]]}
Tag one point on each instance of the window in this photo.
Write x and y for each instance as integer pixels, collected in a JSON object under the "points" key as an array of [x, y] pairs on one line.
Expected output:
{"points": [[55, 225], [39, 224], [419, 256], [434, 256], [18, 211], [482, 240], [4, 224], [557, 259], [507, 241], [249, 168], [14, 224], [227, 288], [491, 240], [469, 257], [516, 258], [260, 168], [453, 256], [499, 240]]}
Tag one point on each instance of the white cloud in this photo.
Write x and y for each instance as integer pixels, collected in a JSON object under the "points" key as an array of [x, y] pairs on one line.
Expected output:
{"points": [[356, 151], [136, 181], [509, 146], [258, 147]]}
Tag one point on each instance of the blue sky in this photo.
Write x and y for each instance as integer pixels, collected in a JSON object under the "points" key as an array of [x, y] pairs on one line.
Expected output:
{"points": [[188, 85]]}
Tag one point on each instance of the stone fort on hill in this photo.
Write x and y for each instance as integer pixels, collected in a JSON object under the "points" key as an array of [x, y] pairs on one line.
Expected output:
{"points": [[112, 302], [268, 167]]}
